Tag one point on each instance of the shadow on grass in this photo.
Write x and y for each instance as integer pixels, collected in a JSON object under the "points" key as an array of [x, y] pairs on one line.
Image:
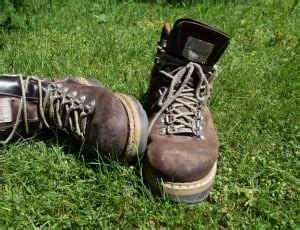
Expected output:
{"points": [[99, 163]]}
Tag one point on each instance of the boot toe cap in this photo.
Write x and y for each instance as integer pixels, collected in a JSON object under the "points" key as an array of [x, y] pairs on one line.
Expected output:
{"points": [[181, 162]]}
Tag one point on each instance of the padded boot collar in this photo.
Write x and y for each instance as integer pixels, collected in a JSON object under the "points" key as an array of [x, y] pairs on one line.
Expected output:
{"points": [[10, 86], [196, 42]]}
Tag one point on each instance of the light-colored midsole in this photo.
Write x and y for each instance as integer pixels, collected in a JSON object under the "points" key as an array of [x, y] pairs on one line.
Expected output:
{"points": [[83, 81], [134, 136], [186, 188]]}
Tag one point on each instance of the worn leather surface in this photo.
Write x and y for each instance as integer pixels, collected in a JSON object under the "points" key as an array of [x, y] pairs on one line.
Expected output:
{"points": [[183, 158], [174, 157], [107, 127]]}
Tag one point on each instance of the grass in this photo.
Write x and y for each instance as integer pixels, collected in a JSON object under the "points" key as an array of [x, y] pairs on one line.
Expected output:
{"points": [[255, 105]]}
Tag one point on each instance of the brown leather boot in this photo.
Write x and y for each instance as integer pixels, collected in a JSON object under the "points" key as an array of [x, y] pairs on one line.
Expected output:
{"points": [[181, 157], [106, 122]]}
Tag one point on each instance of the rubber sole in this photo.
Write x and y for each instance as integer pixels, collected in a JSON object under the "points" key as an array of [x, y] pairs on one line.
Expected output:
{"points": [[188, 192], [138, 128]]}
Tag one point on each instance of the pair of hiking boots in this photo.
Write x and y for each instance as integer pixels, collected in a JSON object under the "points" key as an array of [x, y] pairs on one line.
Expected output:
{"points": [[175, 139]]}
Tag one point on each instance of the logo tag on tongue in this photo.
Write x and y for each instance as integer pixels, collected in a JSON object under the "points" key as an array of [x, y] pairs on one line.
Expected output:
{"points": [[197, 50], [5, 110]]}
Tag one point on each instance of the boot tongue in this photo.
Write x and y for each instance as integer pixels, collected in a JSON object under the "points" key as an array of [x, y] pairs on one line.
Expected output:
{"points": [[196, 42]]}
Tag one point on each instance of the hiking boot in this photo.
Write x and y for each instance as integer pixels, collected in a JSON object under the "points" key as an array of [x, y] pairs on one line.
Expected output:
{"points": [[104, 121], [181, 156]]}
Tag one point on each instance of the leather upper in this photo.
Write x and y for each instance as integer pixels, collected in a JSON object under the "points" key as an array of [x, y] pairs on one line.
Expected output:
{"points": [[185, 28], [106, 129], [10, 86], [183, 157]]}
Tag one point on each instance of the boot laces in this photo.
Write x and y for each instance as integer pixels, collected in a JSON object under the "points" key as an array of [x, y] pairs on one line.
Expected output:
{"points": [[182, 102], [65, 110]]}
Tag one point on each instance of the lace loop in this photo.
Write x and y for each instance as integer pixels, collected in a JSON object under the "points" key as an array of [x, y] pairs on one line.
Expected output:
{"points": [[182, 101], [65, 109]]}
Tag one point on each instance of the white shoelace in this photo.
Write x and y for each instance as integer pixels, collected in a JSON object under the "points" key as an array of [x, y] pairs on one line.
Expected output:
{"points": [[65, 109], [181, 95]]}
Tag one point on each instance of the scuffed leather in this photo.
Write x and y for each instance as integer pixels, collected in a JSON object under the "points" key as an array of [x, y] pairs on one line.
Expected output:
{"points": [[107, 127], [182, 158]]}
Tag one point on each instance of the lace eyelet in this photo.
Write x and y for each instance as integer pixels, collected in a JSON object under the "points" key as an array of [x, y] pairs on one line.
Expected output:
{"points": [[161, 120], [198, 133], [171, 129], [199, 126], [92, 103], [162, 90], [198, 115], [82, 98], [65, 89], [74, 93], [170, 119], [163, 131], [59, 85], [182, 101], [90, 107]]}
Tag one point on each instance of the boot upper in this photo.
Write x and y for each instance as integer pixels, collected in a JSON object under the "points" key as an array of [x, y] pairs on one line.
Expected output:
{"points": [[183, 144], [89, 113]]}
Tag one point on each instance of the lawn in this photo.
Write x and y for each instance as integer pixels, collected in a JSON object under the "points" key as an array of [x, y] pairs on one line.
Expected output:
{"points": [[255, 104]]}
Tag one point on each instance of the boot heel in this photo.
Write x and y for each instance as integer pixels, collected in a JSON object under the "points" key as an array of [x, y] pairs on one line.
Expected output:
{"points": [[138, 128]]}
